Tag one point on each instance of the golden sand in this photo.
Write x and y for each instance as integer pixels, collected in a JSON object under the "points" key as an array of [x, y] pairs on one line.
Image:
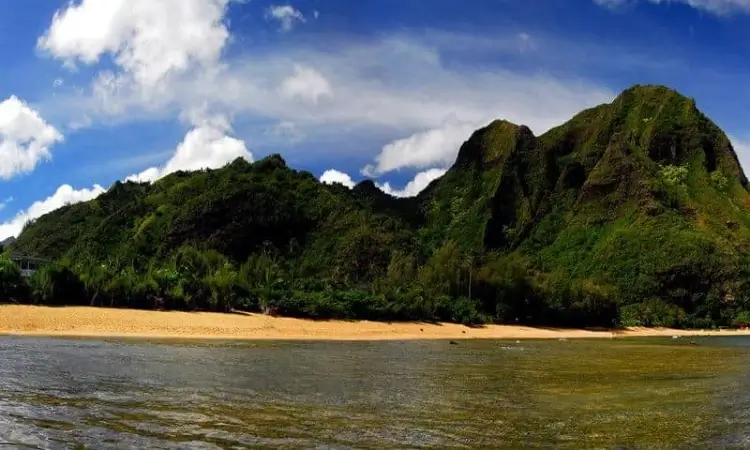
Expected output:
{"points": [[102, 322]]}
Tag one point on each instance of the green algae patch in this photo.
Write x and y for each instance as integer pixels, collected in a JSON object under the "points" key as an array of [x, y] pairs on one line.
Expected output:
{"points": [[618, 394]]}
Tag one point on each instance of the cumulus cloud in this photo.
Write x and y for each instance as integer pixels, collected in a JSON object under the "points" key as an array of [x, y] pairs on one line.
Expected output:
{"points": [[286, 15], [334, 176], [306, 84], [424, 149], [150, 42], [415, 186], [206, 146], [713, 6], [420, 181], [25, 138], [65, 195]]}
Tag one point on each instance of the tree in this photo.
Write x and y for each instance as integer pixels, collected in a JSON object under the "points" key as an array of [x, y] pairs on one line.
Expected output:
{"points": [[222, 285], [95, 279], [11, 282]]}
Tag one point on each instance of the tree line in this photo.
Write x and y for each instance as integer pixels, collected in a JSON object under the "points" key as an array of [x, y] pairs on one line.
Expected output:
{"points": [[448, 287]]}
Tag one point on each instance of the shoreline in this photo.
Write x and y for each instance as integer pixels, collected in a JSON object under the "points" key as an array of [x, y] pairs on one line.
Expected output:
{"points": [[90, 322]]}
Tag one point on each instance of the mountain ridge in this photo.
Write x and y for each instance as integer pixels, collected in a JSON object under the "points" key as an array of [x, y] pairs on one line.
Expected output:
{"points": [[593, 168], [634, 211]]}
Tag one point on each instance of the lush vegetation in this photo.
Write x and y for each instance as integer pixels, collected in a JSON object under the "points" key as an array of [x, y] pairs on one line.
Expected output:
{"points": [[634, 213]]}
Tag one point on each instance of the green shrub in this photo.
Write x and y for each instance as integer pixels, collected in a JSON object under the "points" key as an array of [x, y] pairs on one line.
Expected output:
{"points": [[652, 313], [674, 175]]}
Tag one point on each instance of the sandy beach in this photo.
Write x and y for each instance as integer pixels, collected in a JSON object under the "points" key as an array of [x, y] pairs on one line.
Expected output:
{"points": [[101, 322]]}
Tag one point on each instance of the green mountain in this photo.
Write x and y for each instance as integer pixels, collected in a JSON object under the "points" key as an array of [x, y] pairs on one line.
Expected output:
{"points": [[238, 211], [644, 194], [633, 212]]}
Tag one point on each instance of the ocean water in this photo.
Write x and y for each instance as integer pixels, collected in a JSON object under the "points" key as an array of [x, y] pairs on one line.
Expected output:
{"points": [[646, 393]]}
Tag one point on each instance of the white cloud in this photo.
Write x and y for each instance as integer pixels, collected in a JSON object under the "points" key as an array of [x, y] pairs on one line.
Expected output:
{"points": [[420, 181], [80, 122], [389, 88], [334, 176], [397, 87], [206, 146], [146, 176], [742, 149], [149, 41], [415, 186], [714, 6], [424, 149], [25, 138], [65, 195], [286, 15], [306, 84]]}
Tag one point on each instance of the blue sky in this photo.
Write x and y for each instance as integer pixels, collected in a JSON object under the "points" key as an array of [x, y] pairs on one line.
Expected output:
{"points": [[95, 91]]}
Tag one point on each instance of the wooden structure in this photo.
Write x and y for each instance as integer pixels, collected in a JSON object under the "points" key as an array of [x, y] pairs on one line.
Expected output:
{"points": [[28, 264]]}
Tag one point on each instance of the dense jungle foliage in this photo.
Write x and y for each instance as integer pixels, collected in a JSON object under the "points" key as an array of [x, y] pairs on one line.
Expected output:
{"points": [[635, 213]]}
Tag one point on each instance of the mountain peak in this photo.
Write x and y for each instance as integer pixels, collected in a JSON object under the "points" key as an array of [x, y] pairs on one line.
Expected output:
{"points": [[651, 91], [606, 163], [657, 122], [648, 101], [493, 143], [271, 162]]}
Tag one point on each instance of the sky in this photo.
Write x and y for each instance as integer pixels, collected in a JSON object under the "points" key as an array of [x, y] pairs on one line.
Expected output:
{"points": [[98, 91]]}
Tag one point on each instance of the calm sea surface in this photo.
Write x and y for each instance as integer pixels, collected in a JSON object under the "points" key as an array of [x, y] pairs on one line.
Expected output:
{"points": [[656, 393]]}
